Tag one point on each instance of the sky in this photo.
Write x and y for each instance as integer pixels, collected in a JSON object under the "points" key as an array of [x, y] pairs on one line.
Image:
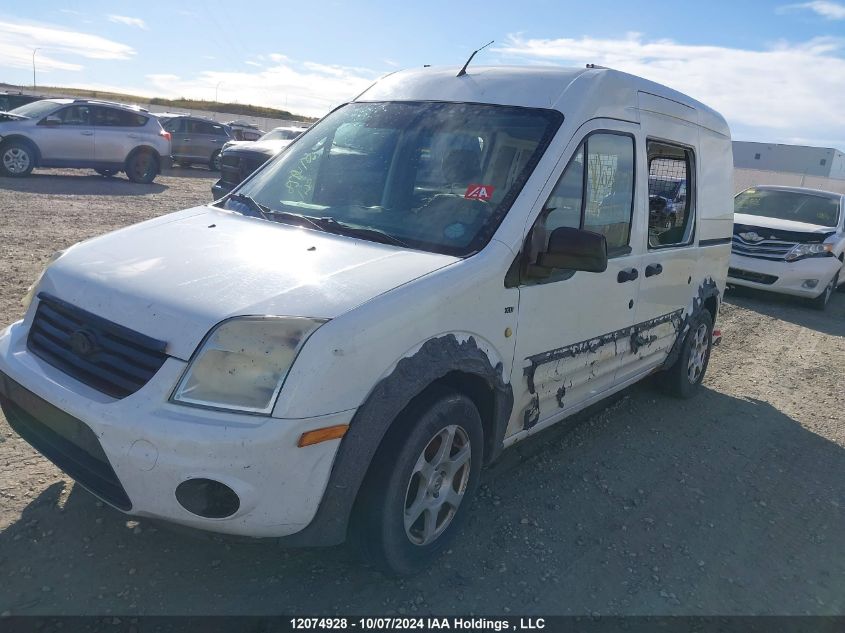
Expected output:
{"points": [[775, 70]]}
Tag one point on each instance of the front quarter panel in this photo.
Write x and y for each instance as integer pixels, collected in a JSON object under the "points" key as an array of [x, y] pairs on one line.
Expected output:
{"points": [[344, 359]]}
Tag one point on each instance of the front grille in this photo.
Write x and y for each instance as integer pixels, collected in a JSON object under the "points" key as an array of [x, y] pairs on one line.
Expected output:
{"points": [[106, 356], [775, 243], [748, 275], [775, 250], [236, 166], [64, 440]]}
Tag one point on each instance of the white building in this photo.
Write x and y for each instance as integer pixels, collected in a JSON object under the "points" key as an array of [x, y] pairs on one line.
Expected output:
{"points": [[822, 162]]}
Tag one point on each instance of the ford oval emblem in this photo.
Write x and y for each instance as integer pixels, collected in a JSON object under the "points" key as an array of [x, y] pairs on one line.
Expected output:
{"points": [[82, 343]]}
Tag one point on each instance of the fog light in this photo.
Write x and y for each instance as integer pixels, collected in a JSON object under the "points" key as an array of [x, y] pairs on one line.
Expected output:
{"points": [[810, 283], [207, 498]]}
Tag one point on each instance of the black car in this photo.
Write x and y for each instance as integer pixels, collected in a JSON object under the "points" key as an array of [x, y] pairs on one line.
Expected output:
{"points": [[240, 158], [12, 100]]}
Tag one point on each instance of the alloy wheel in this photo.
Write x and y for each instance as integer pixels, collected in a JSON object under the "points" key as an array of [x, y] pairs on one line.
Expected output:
{"points": [[698, 353], [437, 485], [15, 160]]}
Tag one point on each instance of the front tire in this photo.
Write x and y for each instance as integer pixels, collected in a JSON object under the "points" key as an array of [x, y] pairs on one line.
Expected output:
{"points": [[214, 163], [684, 378], [17, 159], [422, 478], [820, 302], [142, 167]]}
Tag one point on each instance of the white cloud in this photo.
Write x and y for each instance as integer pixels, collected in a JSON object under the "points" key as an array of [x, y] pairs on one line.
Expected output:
{"points": [[824, 8], [128, 21], [308, 88], [57, 46], [787, 91]]}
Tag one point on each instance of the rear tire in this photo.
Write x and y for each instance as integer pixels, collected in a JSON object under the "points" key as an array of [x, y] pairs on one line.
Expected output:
{"points": [[684, 378], [17, 159], [416, 493], [820, 302], [142, 167]]}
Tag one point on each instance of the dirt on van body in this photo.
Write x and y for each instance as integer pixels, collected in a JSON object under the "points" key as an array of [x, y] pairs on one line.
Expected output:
{"points": [[731, 503]]}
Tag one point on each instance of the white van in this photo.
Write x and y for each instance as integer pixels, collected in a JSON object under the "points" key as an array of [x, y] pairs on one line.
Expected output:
{"points": [[433, 272], [789, 240]]}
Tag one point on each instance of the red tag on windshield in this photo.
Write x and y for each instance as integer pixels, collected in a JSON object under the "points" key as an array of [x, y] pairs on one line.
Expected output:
{"points": [[479, 192]]}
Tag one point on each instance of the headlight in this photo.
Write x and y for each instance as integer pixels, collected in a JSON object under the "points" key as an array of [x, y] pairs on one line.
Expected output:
{"points": [[243, 362], [30, 293], [799, 251]]}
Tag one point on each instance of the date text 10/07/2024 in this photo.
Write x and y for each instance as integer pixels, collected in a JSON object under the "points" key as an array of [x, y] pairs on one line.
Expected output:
{"points": [[418, 624]]}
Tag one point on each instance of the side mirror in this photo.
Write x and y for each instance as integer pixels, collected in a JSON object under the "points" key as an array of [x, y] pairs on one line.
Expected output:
{"points": [[574, 249], [52, 121]]}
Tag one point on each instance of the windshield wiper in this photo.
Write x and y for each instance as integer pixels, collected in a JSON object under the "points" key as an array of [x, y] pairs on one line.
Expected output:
{"points": [[273, 214], [336, 226], [325, 224], [251, 203]]}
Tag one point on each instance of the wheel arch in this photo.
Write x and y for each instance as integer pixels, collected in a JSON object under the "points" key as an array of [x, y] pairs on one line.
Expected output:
{"points": [[143, 148], [443, 361], [711, 304], [706, 298], [19, 138]]}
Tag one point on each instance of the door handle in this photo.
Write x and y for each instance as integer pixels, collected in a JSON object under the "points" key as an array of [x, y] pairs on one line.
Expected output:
{"points": [[134, 135], [653, 269], [186, 139], [87, 133], [627, 275]]}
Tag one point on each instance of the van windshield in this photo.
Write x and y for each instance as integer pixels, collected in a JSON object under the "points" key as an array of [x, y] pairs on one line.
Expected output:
{"points": [[789, 205], [428, 175]]}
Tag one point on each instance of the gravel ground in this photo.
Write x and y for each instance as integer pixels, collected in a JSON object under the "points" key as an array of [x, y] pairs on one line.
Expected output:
{"points": [[732, 503]]}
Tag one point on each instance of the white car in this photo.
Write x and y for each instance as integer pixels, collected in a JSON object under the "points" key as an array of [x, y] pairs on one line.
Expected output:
{"points": [[435, 271], [789, 240]]}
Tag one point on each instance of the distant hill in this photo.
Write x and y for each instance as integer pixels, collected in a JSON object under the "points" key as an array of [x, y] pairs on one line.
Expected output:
{"points": [[243, 109]]}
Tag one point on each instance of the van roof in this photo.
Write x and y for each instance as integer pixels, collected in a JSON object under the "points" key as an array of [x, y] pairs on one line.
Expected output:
{"points": [[603, 92]]}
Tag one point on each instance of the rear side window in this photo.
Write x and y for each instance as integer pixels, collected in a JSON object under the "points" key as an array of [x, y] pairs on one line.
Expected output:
{"points": [[75, 115], [173, 125], [596, 190], [112, 117], [670, 208], [206, 127]]}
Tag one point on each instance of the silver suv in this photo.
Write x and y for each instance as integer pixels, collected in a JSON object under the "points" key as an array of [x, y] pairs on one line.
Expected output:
{"points": [[195, 139], [83, 133]]}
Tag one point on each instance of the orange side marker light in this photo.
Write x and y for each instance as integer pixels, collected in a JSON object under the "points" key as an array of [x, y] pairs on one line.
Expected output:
{"points": [[321, 435]]}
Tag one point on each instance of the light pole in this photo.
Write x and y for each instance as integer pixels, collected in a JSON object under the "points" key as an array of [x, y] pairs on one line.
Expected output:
{"points": [[216, 88], [34, 50]]}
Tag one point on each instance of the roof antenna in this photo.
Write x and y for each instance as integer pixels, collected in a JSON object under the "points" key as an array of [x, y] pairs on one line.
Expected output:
{"points": [[463, 70]]}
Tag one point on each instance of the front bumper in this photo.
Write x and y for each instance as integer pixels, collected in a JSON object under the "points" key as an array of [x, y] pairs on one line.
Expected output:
{"points": [[134, 452], [781, 276]]}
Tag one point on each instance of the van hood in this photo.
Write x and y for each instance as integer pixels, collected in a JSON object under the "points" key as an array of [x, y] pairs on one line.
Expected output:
{"points": [[175, 277], [781, 225]]}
